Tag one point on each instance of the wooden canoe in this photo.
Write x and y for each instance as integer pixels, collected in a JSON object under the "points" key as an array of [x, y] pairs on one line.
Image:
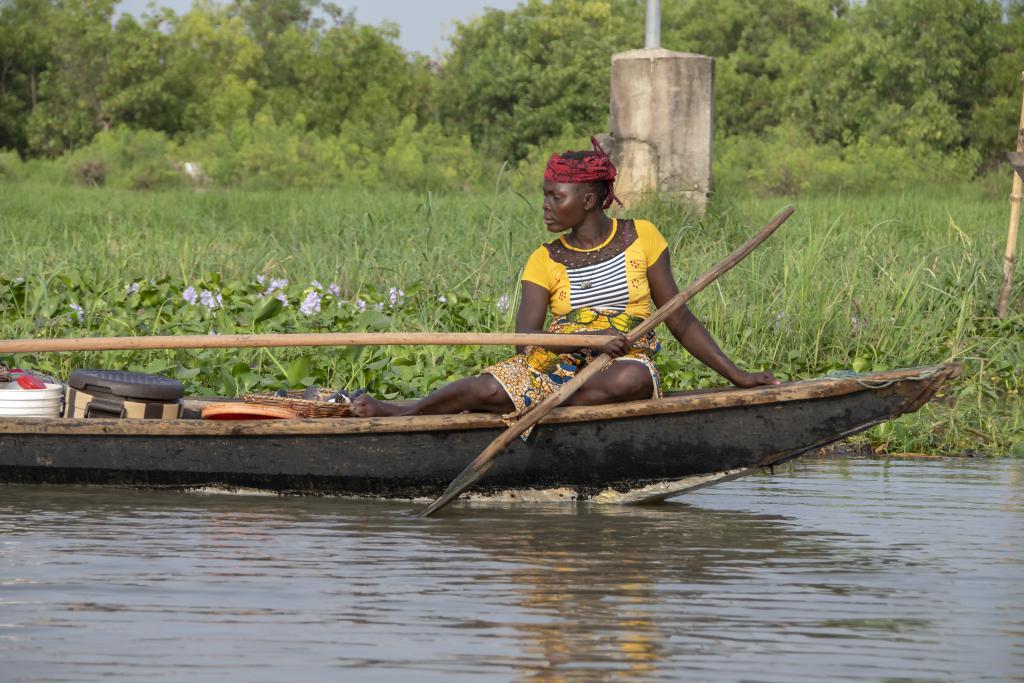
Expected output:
{"points": [[639, 451]]}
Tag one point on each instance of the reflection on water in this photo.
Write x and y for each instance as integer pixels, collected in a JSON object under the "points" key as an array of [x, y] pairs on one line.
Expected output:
{"points": [[830, 570]]}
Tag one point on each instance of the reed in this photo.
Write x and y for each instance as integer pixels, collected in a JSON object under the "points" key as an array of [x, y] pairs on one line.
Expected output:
{"points": [[850, 283]]}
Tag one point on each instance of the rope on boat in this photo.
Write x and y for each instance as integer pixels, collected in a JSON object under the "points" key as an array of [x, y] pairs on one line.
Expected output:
{"points": [[881, 383]]}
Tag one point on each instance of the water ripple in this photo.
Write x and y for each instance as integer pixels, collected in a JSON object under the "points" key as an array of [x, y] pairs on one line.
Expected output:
{"points": [[830, 570]]}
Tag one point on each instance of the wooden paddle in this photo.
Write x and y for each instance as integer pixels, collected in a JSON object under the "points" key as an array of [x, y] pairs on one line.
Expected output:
{"points": [[485, 460], [236, 341]]}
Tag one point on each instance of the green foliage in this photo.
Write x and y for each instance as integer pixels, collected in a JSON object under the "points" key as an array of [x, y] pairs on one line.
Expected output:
{"points": [[427, 159], [125, 158], [72, 96], [994, 118], [24, 55], [848, 284], [267, 154], [516, 78], [295, 93], [764, 50], [905, 71], [785, 161], [11, 167]]}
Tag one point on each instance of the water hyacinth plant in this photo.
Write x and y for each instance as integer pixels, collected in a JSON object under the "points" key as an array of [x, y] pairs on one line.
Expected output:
{"points": [[311, 304], [210, 300]]}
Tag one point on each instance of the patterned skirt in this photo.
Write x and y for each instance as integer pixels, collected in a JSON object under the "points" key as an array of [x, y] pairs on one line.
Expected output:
{"points": [[530, 377]]}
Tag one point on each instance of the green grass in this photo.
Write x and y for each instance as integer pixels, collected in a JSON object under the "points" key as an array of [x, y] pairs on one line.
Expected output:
{"points": [[857, 283]]}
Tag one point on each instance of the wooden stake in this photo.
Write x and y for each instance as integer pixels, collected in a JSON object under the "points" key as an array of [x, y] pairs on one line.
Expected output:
{"points": [[1016, 194], [238, 341], [485, 460]]}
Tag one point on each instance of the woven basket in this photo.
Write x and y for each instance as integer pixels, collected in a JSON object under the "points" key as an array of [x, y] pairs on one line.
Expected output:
{"points": [[304, 407]]}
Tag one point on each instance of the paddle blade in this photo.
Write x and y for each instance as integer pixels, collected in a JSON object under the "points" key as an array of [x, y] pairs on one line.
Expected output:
{"points": [[466, 478]]}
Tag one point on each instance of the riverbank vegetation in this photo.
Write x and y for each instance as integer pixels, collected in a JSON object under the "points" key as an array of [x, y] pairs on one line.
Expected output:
{"points": [[273, 165], [849, 284]]}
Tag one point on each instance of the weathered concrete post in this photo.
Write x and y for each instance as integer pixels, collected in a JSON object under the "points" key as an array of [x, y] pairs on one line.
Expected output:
{"points": [[662, 105]]}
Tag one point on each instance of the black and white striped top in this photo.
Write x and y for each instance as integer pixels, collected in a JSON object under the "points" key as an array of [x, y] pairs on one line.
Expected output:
{"points": [[602, 285], [612, 276]]}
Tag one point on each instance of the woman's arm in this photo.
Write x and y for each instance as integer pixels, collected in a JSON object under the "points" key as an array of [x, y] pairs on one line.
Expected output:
{"points": [[533, 308], [692, 334]]}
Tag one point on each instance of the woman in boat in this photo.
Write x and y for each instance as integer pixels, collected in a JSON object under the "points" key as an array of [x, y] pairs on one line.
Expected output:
{"points": [[599, 277]]}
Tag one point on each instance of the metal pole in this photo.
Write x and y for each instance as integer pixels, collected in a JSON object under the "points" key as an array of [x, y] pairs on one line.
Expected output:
{"points": [[652, 37]]}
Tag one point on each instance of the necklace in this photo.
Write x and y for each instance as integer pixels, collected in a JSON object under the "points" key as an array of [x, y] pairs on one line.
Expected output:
{"points": [[604, 243]]}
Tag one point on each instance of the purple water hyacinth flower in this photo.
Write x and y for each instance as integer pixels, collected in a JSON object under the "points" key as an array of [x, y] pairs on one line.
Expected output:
{"points": [[78, 312], [210, 300], [395, 297], [316, 283], [503, 303], [260, 279], [274, 285], [133, 288], [311, 304], [360, 305], [379, 307], [190, 296], [334, 289], [283, 299]]}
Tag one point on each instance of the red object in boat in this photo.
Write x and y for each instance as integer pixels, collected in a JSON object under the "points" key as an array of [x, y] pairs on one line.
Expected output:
{"points": [[246, 411], [25, 380]]}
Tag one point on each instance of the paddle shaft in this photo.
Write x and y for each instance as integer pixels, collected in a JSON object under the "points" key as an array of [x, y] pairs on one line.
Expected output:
{"points": [[237, 341], [485, 460]]}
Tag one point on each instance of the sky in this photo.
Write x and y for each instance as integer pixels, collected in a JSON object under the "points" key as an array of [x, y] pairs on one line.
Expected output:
{"points": [[425, 25]]}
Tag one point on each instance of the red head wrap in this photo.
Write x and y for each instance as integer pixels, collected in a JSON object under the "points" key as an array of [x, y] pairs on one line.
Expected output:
{"points": [[593, 167]]}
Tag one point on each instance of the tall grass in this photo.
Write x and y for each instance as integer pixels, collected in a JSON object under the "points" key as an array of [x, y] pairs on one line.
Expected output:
{"points": [[848, 283]]}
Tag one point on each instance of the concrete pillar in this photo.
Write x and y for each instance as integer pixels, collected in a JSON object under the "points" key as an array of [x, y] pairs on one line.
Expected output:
{"points": [[662, 105]]}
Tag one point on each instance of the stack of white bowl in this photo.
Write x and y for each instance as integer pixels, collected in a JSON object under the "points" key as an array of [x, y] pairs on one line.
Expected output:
{"points": [[18, 402]]}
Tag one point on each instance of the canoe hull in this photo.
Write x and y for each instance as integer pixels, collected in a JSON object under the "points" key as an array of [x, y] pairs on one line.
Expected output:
{"points": [[618, 450]]}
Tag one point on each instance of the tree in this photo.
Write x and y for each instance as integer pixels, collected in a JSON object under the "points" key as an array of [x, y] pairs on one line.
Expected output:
{"points": [[71, 105], [24, 54], [905, 71], [763, 49], [994, 118], [515, 78]]}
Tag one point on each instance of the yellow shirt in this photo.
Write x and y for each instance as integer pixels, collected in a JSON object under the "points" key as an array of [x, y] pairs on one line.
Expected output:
{"points": [[612, 275]]}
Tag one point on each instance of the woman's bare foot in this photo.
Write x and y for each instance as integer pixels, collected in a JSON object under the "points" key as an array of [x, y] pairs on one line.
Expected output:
{"points": [[365, 405]]}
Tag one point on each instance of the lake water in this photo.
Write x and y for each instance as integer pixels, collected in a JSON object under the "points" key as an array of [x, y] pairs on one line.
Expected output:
{"points": [[832, 569]]}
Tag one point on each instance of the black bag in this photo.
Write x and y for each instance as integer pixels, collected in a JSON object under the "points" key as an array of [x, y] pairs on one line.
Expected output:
{"points": [[120, 393]]}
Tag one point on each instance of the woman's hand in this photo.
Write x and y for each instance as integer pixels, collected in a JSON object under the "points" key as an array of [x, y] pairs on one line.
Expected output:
{"points": [[754, 379], [616, 347]]}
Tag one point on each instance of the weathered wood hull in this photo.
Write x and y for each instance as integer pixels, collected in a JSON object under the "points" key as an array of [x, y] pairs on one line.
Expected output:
{"points": [[637, 451]]}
